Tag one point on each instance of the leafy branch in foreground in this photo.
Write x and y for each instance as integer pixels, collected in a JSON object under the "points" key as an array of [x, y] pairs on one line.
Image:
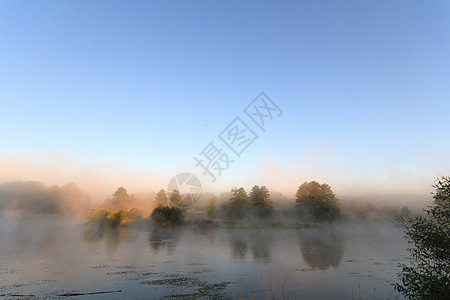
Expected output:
{"points": [[428, 276]]}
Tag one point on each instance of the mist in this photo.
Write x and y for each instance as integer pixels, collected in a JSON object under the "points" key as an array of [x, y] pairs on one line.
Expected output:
{"points": [[99, 179]]}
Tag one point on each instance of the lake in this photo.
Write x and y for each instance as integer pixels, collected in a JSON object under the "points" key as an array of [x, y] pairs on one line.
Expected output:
{"points": [[54, 258]]}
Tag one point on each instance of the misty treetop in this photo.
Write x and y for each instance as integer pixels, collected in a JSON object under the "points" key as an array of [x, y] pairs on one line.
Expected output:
{"points": [[260, 199], [161, 198], [120, 199], [256, 204], [238, 203], [317, 200], [175, 198], [32, 198]]}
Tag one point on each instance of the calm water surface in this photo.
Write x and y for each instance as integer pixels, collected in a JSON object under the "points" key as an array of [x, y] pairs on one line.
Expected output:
{"points": [[50, 258]]}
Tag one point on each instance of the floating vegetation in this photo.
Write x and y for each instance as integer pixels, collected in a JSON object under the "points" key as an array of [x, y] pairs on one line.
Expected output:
{"points": [[204, 289]]}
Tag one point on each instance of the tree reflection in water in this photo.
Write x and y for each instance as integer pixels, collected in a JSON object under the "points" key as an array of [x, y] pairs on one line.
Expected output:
{"points": [[260, 244], [164, 238], [113, 237], [238, 248], [255, 240], [322, 248]]}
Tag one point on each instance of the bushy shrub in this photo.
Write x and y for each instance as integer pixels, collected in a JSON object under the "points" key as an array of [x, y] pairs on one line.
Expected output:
{"points": [[97, 215], [116, 217], [167, 215]]}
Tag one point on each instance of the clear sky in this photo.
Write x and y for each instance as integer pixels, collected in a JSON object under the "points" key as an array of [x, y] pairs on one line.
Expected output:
{"points": [[141, 87]]}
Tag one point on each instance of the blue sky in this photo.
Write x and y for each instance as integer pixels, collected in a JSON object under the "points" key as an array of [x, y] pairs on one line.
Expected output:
{"points": [[364, 86]]}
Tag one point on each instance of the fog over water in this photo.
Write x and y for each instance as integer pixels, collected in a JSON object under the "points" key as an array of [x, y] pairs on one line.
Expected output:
{"points": [[50, 257]]}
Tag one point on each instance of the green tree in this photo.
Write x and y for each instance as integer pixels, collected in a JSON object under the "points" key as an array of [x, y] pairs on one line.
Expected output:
{"points": [[97, 216], [164, 215], [161, 199], [317, 200], [261, 202], [238, 203], [428, 275], [116, 217], [120, 199], [175, 198]]}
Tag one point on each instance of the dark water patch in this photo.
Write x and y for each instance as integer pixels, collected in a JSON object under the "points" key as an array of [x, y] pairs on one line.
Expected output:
{"points": [[122, 273], [74, 293], [101, 267], [201, 271], [305, 270], [203, 288], [177, 281]]}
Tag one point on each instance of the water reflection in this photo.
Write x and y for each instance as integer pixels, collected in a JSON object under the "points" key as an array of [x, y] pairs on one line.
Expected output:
{"points": [[113, 237], [92, 235], [260, 244], [255, 241], [20, 237], [322, 248], [238, 248], [164, 238]]}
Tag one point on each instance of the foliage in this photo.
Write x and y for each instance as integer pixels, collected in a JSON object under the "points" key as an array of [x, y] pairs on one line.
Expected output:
{"points": [[97, 215], [161, 199], [238, 204], [120, 199], [100, 216], [167, 215], [261, 202], [317, 200], [116, 217], [175, 198], [135, 214], [428, 276]]}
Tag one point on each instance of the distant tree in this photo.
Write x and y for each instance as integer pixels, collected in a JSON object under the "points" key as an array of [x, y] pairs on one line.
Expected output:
{"points": [[211, 207], [164, 215], [238, 203], [428, 275], [317, 200], [33, 198], [73, 200], [175, 198], [161, 199], [97, 216], [261, 202], [120, 199], [404, 212]]}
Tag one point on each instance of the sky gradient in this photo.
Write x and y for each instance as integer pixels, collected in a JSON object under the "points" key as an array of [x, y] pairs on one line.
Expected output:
{"points": [[115, 92]]}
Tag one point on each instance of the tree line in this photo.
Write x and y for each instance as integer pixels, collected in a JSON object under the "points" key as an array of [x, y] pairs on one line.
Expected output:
{"points": [[314, 201]]}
